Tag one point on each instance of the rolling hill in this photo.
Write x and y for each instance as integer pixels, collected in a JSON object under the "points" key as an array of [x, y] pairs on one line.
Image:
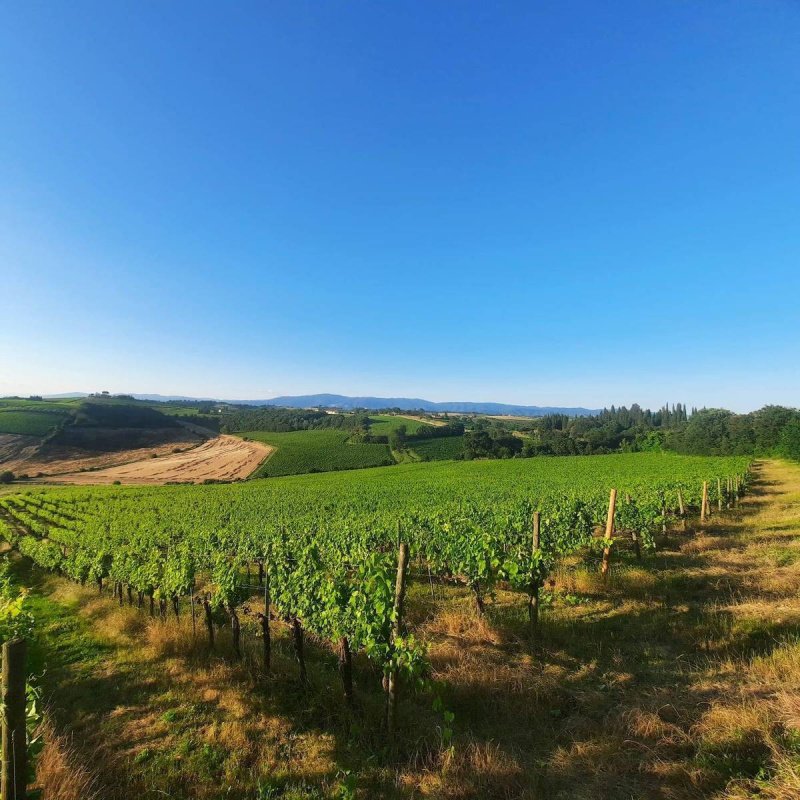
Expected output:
{"points": [[404, 403]]}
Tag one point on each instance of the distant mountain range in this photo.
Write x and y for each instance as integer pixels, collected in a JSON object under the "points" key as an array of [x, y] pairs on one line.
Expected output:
{"points": [[403, 403], [416, 403]]}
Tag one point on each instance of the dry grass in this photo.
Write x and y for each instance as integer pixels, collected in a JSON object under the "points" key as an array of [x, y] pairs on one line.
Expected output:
{"points": [[59, 773]]}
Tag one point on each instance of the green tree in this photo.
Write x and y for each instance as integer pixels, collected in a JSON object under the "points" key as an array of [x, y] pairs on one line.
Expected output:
{"points": [[789, 444]]}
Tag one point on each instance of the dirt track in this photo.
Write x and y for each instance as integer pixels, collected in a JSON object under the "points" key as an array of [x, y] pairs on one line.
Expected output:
{"points": [[223, 458]]}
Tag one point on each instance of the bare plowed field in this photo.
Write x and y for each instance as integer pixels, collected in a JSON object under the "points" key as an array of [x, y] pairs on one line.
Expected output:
{"points": [[223, 458]]}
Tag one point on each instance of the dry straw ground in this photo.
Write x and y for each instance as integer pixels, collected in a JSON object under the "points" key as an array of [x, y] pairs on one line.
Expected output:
{"points": [[680, 679]]}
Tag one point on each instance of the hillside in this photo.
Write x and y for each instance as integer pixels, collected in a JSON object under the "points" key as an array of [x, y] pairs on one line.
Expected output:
{"points": [[52, 437], [676, 678]]}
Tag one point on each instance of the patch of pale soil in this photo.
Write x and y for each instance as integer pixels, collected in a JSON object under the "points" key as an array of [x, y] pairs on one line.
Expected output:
{"points": [[69, 461], [436, 423], [224, 458], [16, 449]]}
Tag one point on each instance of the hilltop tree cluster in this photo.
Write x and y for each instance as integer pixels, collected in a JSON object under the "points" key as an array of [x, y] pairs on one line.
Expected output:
{"points": [[772, 430], [283, 420]]}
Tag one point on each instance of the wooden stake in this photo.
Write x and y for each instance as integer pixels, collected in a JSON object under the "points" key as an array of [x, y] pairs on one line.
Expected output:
{"points": [[297, 631], [399, 597], [265, 632], [533, 600], [209, 622], [14, 779], [719, 494], [236, 631], [637, 545], [612, 506], [346, 670], [704, 504]]}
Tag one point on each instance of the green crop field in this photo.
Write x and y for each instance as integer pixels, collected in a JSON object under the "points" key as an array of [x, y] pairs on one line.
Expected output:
{"points": [[330, 549], [29, 423], [328, 542], [444, 448], [384, 424], [300, 452], [58, 406]]}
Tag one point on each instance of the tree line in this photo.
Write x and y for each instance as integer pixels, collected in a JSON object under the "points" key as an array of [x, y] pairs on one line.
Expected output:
{"points": [[283, 420], [772, 430]]}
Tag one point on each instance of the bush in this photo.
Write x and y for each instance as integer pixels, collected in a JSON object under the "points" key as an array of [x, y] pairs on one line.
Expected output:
{"points": [[7, 476]]}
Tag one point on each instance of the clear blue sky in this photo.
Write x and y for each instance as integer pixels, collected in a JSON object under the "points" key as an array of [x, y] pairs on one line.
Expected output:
{"points": [[572, 203]]}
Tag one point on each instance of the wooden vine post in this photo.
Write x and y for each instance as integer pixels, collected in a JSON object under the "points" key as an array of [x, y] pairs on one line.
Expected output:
{"points": [[681, 509], [399, 596], [637, 545], [704, 503], [14, 767], [612, 507], [191, 603], [236, 631], [264, 619], [346, 670], [719, 494], [209, 621], [533, 600], [299, 649]]}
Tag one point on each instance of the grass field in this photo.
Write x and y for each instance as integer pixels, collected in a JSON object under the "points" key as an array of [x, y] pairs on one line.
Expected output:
{"points": [[300, 452], [441, 449], [678, 679], [384, 424], [29, 423], [60, 406]]}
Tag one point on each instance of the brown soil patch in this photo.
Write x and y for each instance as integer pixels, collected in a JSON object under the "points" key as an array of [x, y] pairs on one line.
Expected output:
{"points": [[15, 449], [436, 423], [68, 461], [224, 458]]}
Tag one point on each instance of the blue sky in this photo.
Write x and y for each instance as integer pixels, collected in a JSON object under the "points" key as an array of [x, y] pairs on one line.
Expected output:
{"points": [[571, 203]]}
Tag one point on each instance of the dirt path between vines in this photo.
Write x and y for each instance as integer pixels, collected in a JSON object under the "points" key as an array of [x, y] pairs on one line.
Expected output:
{"points": [[223, 458]]}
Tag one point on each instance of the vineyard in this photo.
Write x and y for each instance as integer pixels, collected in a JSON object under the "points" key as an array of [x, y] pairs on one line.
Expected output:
{"points": [[317, 451], [442, 449], [384, 424], [329, 554], [29, 423]]}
